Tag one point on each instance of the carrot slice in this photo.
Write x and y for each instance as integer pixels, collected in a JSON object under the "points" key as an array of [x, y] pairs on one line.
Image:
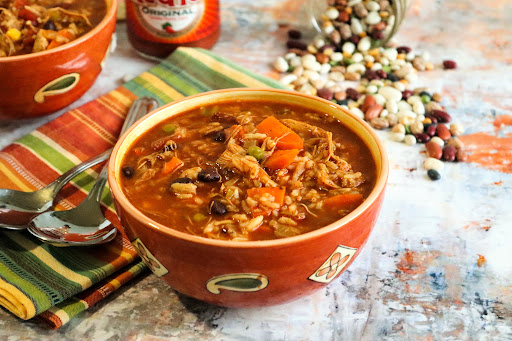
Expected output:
{"points": [[343, 201], [281, 158], [171, 166], [287, 138], [277, 192]]}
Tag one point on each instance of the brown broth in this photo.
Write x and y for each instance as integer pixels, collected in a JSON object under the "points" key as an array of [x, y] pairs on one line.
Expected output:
{"points": [[154, 198]]}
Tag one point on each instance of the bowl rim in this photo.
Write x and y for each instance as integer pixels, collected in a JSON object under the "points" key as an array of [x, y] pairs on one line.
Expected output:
{"points": [[123, 201], [109, 16]]}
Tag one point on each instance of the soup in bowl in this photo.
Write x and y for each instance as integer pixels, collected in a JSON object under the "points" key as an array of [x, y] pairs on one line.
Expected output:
{"points": [[246, 197], [50, 52]]}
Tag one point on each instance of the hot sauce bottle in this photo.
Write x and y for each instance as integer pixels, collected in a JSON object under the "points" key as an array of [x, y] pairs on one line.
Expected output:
{"points": [[158, 27]]}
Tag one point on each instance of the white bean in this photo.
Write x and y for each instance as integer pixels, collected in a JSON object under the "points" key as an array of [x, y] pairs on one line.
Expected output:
{"points": [[348, 47], [372, 6], [413, 99], [392, 107], [364, 44], [356, 27], [357, 57], [419, 108], [337, 76], [369, 58], [281, 65], [390, 54], [372, 89], [311, 75], [325, 68], [404, 106], [289, 78], [410, 140], [373, 18], [377, 66], [456, 129], [332, 13], [290, 55], [391, 94], [356, 67], [379, 99], [431, 163], [357, 112], [384, 113], [399, 86], [295, 61], [438, 140], [337, 57], [398, 137]]}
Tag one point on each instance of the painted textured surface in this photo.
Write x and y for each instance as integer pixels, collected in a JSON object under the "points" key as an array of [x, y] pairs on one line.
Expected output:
{"points": [[419, 277]]}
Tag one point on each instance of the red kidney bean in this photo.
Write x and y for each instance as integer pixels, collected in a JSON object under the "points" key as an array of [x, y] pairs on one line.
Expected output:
{"points": [[403, 49], [406, 94], [373, 111], [441, 116], [325, 93], [295, 44], [370, 75], [443, 132], [343, 17], [434, 150], [354, 39], [422, 137], [294, 34], [449, 64], [322, 58], [432, 118], [382, 74], [430, 129], [369, 100], [449, 153], [353, 94], [377, 35]]}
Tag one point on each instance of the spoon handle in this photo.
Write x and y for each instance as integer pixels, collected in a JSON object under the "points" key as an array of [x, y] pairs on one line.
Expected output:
{"points": [[58, 183], [139, 108]]}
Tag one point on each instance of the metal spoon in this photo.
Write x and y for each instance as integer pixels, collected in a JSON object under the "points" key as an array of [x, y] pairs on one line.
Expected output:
{"points": [[85, 224], [18, 208]]}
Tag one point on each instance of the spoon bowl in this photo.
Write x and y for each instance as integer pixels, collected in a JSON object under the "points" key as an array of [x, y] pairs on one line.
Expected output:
{"points": [[85, 224]]}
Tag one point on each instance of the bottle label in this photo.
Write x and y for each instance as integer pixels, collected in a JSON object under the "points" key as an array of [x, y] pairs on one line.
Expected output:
{"points": [[169, 18]]}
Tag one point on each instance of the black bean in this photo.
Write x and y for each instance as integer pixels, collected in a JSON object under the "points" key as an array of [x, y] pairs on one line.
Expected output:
{"points": [[426, 93], [294, 34], [50, 25], [217, 208], [128, 171], [224, 118], [219, 136], [208, 175], [433, 174], [343, 102], [182, 181], [403, 49], [392, 77]]}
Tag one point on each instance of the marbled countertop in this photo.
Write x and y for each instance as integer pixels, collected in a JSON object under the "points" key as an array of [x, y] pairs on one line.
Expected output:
{"points": [[418, 277]]}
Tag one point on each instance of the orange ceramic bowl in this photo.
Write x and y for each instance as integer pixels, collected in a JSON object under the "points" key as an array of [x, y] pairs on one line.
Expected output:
{"points": [[254, 273], [41, 83]]}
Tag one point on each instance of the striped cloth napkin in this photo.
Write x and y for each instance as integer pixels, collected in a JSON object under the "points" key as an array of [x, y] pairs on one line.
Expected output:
{"points": [[56, 284]]}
